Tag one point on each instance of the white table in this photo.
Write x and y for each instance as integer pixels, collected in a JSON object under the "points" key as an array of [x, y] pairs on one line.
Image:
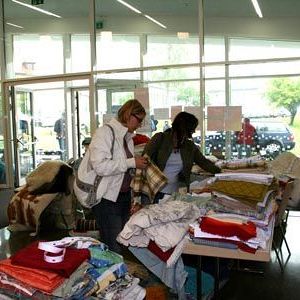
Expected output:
{"points": [[262, 255]]}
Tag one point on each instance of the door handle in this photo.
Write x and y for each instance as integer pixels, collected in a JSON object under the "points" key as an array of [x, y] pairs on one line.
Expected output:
{"points": [[19, 141]]}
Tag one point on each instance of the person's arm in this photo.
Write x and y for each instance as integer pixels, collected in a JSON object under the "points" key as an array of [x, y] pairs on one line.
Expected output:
{"points": [[101, 158], [56, 126], [153, 145], [205, 163]]}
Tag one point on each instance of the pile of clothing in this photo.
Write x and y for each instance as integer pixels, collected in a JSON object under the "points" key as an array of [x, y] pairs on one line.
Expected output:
{"points": [[156, 235], [46, 196], [71, 268], [286, 167]]}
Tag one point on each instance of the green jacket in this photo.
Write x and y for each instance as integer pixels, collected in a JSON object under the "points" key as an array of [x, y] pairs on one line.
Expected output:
{"points": [[160, 147]]}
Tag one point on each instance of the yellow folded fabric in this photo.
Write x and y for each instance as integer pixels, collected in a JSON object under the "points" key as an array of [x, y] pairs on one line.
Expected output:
{"points": [[247, 192]]}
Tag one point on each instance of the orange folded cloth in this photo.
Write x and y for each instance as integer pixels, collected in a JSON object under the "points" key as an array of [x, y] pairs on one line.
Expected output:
{"points": [[39, 279]]}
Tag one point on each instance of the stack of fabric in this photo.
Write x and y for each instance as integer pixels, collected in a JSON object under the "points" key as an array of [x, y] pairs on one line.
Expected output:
{"points": [[248, 188], [71, 268], [237, 212], [255, 163], [232, 233], [252, 164]]}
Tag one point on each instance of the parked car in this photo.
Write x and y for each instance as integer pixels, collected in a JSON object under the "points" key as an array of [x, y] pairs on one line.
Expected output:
{"points": [[273, 138]]}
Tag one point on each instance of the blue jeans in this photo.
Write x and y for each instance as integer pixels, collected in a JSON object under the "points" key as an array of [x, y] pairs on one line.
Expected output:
{"points": [[111, 218], [62, 143]]}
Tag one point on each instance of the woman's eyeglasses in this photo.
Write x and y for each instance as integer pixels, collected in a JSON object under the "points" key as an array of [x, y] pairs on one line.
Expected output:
{"points": [[140, 120]]}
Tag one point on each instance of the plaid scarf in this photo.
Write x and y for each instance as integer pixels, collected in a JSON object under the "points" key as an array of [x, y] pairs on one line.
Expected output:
{"points": [[148, 181]]}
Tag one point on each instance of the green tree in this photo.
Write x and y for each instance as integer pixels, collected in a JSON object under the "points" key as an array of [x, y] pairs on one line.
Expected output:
{"points": [[190, 96], [285, 92]]}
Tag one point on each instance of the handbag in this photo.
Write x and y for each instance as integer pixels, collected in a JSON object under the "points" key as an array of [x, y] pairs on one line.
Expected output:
{"points": [[87, 180]]}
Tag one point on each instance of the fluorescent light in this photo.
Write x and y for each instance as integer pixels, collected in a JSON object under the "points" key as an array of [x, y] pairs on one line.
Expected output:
{"points": [[106, 36], [155, 21], [14, 25], [183, 35], [36, 8], [130, 6], [257, 8], [139, 12]]}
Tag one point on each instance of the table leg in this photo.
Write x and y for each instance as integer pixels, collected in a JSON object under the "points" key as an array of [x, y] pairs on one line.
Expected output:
{"points": [[199, 277], [217, 278]]}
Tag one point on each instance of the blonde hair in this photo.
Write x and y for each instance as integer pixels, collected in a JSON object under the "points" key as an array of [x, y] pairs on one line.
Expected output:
{"points": [[131, 107]]}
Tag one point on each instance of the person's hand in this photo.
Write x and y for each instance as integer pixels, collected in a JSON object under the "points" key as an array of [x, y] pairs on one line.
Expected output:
{"points": [[141, 162], [135, 207]]}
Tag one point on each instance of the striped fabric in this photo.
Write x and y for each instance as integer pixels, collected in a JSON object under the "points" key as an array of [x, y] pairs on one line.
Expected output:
{"points": [[148, 181]]}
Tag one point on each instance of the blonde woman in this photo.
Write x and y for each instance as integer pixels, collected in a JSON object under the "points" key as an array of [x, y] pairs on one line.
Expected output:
{"points": [[112, 210]]}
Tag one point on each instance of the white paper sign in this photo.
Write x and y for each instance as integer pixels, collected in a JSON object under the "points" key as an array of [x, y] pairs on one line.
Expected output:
{"points": [[161, 113], [225, 118]]}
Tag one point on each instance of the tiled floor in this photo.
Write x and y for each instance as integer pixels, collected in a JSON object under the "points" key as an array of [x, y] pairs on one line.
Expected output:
{"points": [[272, 284]]}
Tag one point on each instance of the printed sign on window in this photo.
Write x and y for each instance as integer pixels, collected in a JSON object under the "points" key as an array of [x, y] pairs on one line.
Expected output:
{"points": [[161, 113], [142, 95], [224, 118], [195, 110], [175, 110]]}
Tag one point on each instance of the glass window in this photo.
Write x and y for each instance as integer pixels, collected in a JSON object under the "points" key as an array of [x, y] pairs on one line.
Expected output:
{"points": [[34, 34], [244, 49], [117, 51], [172, 50], [172, 74], [274, 68], [80, 53], [214, 71], [215, 92], [214, 49], [35, 55], [271, 120]]}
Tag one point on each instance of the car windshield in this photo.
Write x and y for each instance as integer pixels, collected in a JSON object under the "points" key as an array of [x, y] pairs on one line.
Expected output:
{"points": [[275, 127]]}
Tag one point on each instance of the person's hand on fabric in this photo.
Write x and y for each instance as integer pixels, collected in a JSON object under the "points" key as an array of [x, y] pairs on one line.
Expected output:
{"points": [[141, 162], [135, 207]]}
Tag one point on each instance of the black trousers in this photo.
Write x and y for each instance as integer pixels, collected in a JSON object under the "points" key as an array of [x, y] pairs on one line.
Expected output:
{"points": [[111, 218]]}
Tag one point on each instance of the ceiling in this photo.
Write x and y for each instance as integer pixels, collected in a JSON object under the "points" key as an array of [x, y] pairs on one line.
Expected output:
{"points": [[212, 8]]}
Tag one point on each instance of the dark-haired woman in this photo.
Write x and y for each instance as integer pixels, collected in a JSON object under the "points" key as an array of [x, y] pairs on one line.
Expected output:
{"points": [[174, 152]]}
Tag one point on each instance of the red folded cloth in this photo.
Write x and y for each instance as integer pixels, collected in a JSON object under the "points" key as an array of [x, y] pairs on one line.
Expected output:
{"points": [[32, 257], [140, 139], [164, 256], [243, 231]]}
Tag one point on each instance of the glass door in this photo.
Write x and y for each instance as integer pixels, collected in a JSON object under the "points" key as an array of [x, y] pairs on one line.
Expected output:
{"points": [[111, 95], [41, 123], [81, 120], [24, 139]]}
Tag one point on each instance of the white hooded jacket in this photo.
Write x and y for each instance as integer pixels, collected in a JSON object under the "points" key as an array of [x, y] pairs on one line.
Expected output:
{"points": [[111, 170]]}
